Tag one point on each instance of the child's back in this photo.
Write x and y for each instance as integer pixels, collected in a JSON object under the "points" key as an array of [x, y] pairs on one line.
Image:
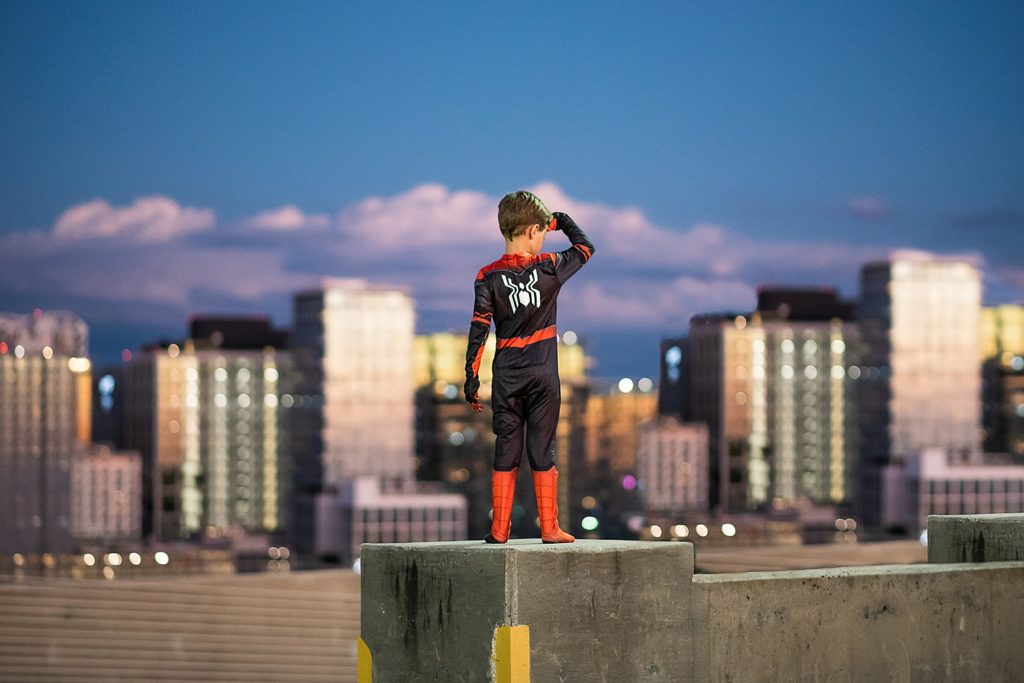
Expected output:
{"points": [[519, 293]]}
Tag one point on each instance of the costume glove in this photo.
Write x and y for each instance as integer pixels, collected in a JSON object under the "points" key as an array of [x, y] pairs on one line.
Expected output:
{"points": [[471, 389], [562, 221]]}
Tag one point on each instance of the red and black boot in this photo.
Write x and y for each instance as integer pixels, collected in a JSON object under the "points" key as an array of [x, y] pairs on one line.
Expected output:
{"points": [[503, 491], [545, 484]]}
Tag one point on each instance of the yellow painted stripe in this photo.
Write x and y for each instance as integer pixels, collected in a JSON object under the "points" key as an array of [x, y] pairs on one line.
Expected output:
{"points": [[512, 654], [364, 662]]}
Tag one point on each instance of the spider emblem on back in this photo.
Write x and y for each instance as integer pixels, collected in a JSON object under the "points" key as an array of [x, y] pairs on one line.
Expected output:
{"points": [[522, 294]]}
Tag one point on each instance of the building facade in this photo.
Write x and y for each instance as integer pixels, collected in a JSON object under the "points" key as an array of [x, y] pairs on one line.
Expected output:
{"points": [[776, 394], [356, 363], [353, 382], [106, 495], [934, 482], [353, 347], [613, 420], [920, 385], [672, 466], [43, 359], [362, 512], [210, 424], [674, 384], [1002, 355]]}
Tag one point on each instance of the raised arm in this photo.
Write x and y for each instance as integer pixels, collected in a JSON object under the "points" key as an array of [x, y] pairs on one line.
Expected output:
{"points": [[573, 258], [479, 328]]}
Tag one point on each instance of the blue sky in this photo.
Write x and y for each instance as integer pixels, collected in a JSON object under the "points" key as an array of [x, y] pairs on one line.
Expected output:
{"points": [[740, 137]]}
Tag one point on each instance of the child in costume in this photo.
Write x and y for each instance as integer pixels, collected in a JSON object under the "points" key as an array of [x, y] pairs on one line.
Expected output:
{"points": [[518, 293]]}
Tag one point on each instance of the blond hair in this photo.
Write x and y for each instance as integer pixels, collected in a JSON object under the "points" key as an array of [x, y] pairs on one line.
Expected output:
{"points": [[519, 210]]}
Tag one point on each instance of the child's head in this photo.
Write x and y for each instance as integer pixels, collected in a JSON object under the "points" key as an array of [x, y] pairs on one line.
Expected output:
{"points": [[517, 211]]}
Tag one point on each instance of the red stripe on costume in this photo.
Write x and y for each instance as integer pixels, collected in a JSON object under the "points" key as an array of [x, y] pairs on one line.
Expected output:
{"points": [[583, 250], [520, 342], [514, 262], [480, 319], [476, 361]]}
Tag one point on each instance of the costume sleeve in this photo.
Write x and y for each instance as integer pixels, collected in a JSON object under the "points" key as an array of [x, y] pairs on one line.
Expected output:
{"points": [[573, 258], [479, 328]]}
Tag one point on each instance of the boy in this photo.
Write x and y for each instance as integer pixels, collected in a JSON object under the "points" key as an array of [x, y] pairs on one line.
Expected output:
{"points": [[518, 292]]}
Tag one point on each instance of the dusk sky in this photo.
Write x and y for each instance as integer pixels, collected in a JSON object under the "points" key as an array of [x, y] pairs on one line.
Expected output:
{"points": [[162, 159]]}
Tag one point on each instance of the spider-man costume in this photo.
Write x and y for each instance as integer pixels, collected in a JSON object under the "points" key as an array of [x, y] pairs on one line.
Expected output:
{"points": [[519, 295]]}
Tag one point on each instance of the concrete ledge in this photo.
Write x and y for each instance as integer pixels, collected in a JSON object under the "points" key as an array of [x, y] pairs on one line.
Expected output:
{"points": [[975, 538], [596, 610], [617, 611], [885, 623]]}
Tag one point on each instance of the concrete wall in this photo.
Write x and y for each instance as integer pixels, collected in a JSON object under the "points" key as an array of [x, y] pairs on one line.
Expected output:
{"points": [[594, 611], [975, 538], [613, 609], [300, 626], [884, 623], [621, 611]]}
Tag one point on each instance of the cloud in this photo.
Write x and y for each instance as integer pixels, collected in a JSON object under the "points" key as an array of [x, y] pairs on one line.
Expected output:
{"points": [[434, 240], [139, 261], [640, 303], [868, 208], [148, 219], [289, 218], [429, 239], [429, 215]]}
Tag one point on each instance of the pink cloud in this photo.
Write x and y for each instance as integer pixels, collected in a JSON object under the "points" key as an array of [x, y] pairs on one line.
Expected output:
{"points": [[428, 215], [640, 303], [289, 218], [429, 239], [148, 219]]}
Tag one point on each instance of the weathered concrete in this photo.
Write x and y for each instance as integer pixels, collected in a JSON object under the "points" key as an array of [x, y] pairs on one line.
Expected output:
{"points": [[883, 623], [597, 610], [975, 538], [620, 611]]}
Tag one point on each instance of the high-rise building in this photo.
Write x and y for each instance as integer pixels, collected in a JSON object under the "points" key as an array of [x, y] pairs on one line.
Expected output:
{"points": [[808, 304], [210, 425], [108, 405], [774, 388], [613, 419], [235, 332], [920, 384], [354, 358], [106, 495], [604, 477], [43, 357], [672, 466], [455, 444], [1002, 355], [1001, 332], [1013, 407], [674, 382], [353, 350]]}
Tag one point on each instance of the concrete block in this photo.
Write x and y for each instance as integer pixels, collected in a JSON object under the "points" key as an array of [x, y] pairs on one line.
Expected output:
{"points": [[975, 538], [596, 610], [884, 623]]}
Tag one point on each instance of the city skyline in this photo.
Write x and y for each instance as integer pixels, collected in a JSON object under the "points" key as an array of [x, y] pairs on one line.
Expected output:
{"points": [[165, 163]]}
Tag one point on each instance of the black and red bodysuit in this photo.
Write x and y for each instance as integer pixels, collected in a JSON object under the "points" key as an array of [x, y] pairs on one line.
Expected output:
{"points": [[519, 294]]}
